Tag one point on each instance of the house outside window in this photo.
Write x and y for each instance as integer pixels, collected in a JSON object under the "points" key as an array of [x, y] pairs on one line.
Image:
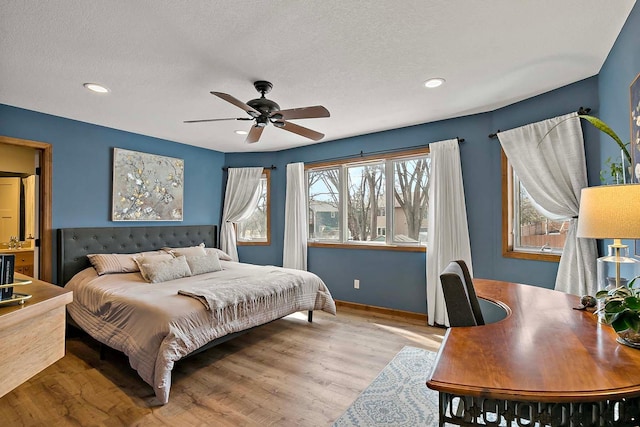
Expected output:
{"points": [[528, 231], [349, 201], [256, 230]]}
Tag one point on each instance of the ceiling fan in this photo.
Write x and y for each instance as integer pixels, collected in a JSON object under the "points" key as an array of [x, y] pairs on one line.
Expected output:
{"points": [[265, 111]]}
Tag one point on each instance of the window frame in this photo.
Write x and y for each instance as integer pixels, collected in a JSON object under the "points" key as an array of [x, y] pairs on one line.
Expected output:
{"points": [[386, 158], [508, 237], [267, 174]]}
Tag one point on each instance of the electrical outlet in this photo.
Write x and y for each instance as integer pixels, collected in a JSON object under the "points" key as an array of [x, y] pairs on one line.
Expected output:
{"points": [[356, 284]]}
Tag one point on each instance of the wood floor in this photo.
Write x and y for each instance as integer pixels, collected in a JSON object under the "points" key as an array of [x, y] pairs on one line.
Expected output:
{"points": [[286, 373]]}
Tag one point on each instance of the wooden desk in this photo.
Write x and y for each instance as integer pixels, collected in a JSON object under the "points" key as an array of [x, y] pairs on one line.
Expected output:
{"points": [[544, 358], [32, 335]]}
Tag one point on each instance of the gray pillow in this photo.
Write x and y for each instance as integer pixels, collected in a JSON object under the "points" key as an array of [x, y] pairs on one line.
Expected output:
{"points": [[113, 263], [162, 271], [204, 263], [150, 259]]}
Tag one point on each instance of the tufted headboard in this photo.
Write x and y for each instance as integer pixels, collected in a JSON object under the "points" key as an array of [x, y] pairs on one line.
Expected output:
{"points": [[74, 244]]}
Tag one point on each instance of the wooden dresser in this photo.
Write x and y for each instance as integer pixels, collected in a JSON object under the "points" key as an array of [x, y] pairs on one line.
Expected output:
{"points": [[32, 335]]}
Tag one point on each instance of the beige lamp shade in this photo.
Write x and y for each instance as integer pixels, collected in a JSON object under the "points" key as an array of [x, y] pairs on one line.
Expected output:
{"points": [[610, 212]]}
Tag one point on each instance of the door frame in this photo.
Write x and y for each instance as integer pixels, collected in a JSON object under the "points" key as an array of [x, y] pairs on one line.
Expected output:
{"points": [[46, 172]]}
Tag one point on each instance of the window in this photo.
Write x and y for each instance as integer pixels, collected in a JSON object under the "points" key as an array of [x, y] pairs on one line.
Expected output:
{"points": [[528, 231], [375, 201], [256, 230]]}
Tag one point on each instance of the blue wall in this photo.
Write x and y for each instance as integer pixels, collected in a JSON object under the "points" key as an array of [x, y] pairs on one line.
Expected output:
{"points": [[617, 73], [82, 168], [83, 157], [397, 279]]}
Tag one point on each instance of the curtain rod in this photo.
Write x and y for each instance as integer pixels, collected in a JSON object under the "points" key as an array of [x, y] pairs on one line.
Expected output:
{"points": [[373, 153], [581, 111], [272, 167]]}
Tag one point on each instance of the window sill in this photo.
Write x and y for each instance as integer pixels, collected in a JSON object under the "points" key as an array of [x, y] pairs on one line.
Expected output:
{"points": [[266, 243], [398, 248], [536, 256]]}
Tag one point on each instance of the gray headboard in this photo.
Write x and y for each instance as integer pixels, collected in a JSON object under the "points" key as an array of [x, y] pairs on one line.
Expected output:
{"points": [[74, 244]]}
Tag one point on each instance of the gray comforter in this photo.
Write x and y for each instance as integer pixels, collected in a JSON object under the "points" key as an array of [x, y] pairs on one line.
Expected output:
{"points": [[155, 326]]}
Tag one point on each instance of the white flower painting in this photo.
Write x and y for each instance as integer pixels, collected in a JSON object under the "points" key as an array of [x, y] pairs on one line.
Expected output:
{"points": [[146, 187]]}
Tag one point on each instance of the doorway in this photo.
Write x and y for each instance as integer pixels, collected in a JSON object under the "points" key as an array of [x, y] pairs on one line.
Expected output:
{"points": [[42, 216]]}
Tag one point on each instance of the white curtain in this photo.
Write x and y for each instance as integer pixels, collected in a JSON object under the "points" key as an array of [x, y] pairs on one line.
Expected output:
{"points": [[240, 201], [448, 235], [295, 219], [553, 170], [29, 184]]}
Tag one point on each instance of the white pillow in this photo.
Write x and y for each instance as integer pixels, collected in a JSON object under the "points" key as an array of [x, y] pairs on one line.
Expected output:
{"points": [[204, 263], [222, 255], [196, 250], [190, 251], [113, 263], [150, 259], [162, 271]]}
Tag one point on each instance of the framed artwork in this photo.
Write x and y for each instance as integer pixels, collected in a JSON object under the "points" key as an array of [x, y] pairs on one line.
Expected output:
{"points": [[634, 92], [146, 187]]}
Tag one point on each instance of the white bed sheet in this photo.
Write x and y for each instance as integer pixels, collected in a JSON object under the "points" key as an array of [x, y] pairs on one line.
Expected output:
{"points": [[154, 326]]}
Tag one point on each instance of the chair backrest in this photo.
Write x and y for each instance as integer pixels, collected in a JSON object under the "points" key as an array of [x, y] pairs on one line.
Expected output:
{"points": [[460, 295]]}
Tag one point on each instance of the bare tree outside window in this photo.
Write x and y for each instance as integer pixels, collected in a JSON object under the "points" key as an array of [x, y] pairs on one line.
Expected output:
{"points": [[411, 193], [324, 204], [358, 202]]}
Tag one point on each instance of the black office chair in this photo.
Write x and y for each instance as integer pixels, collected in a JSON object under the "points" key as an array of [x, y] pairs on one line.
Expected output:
{"points": [[460, 296]]}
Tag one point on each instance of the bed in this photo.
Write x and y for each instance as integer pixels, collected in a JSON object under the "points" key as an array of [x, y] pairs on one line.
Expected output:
{"points": [[156, 324]]}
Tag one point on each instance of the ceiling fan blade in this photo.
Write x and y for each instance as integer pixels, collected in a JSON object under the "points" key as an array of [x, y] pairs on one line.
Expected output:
{"points": [[302, 131], [254, 134], [216, 120], [250, 110], [314, 112]]}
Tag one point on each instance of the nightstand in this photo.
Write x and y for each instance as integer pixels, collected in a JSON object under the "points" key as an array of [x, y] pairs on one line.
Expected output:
{"points": [[32, 334]]}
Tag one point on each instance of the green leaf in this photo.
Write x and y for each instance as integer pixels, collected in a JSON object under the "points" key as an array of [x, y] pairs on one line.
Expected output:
{"points": [[602, 126], [602, 294], [634, 322], [632, 302], [620, 324], [614, 306]]}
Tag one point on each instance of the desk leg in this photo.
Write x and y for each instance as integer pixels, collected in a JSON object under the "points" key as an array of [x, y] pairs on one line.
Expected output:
{"points": [[474, 411]]}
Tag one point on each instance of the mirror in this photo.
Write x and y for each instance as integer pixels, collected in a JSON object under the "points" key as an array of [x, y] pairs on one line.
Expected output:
{"points": [[18, 184]]}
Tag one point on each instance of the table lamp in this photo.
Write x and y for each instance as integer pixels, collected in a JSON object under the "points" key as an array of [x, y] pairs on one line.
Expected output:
{"points": [[612, 212]]}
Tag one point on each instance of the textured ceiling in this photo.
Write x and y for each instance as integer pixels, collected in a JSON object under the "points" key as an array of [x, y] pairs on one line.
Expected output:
{"points": [[365, 61]]}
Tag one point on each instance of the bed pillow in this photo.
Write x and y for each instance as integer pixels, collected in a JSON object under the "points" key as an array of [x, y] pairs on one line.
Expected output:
{"points": [[222, 255], [204, 263], [197, 251], [141, 260], [188, 251], [113, 263], [162, 271]]}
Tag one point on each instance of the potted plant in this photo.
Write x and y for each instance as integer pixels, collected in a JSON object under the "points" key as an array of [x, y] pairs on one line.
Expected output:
{"points": [[621, 310]]}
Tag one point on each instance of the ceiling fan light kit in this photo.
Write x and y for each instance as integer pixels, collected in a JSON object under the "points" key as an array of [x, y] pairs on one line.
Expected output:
{"points": [[264, 111]]}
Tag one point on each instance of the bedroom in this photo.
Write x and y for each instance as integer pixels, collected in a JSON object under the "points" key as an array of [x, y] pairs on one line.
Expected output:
{"points": [[85, 150]]}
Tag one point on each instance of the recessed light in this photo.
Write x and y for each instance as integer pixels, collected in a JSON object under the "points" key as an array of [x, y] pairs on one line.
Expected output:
{"points": [[241, 132], [94, 87], [431, 83]]}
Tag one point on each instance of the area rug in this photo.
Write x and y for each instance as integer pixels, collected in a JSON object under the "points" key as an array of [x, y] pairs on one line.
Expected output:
{"points": [[398, 396]]}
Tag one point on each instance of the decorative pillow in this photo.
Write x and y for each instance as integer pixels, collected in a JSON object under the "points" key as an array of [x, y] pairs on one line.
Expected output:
{"points": [[169, 269], [196, 251], [204, 263], [222, 255], [190, 251], [113, 263], [150, 259]]}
